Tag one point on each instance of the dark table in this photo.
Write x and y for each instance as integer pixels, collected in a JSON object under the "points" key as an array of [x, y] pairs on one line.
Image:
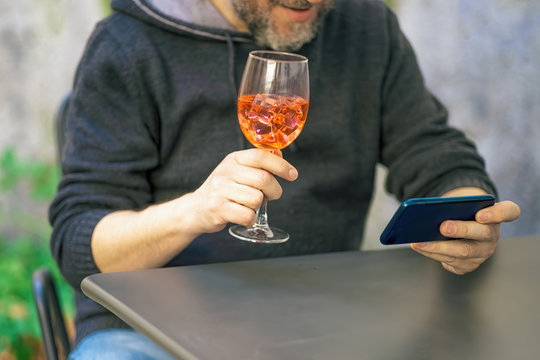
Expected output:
{"points": [[351, 305]]}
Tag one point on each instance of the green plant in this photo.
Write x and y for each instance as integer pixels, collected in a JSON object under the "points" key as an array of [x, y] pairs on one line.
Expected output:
{"points": [[23, 249], [106, 5], [391, 3], [42, 177], [19, 258]]}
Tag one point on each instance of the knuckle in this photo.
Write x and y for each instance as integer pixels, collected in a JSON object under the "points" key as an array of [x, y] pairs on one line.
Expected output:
{"points": [[256, 155], [218, 183], [246, 217], [448, 259], [434, 246], [213, 204], [463, 230], [491, 232], [495, 232], [264, 178], [257, 200], [241, 157], [465, 250], [234, 156], [462, 268], [214, 218], [450, 268]]}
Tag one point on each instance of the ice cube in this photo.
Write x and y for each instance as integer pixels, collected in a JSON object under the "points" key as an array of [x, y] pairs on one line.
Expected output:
{"points": [[291, 116], [267, 100], [264, 133], [271, 99], [260, 110]]}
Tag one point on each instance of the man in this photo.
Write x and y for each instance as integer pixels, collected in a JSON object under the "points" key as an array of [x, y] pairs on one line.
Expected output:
{"points": [[155, 166]]}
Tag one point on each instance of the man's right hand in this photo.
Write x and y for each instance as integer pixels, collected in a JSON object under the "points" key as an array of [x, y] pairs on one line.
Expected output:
{"points": [[130, 240], [236, 188]]}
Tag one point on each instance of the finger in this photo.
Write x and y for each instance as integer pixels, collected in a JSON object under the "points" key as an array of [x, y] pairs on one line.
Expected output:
{"points": [[261, 180], [455, 249], [215, 218], [455, 265], [238, 214], [470, 230], [503, 211], [459, 270], [437, 257], [265, 160], [246, 196], [450, 268]]}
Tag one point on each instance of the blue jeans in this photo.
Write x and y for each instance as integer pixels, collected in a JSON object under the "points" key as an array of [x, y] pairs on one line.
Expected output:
{"points": [[118, 344]]}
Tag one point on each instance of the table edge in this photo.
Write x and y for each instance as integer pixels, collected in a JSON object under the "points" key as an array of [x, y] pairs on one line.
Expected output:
{"points": [[93, 291]]}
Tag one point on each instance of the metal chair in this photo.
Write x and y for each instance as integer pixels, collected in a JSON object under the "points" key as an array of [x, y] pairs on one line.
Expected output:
{"points": [[60, 126], [51, 320]]}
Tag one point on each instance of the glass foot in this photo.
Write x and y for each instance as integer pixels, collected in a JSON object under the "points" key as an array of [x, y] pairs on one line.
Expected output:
{"points": [[264, 235]]}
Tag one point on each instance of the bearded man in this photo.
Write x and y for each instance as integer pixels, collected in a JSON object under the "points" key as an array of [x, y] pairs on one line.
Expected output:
{"points": [[155, 166]]}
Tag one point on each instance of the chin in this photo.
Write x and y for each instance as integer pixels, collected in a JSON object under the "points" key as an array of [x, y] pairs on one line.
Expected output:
{"points": [[297, 36]]}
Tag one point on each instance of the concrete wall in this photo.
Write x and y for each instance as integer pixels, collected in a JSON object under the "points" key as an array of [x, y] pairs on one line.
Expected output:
{"points": [[40, 44]]}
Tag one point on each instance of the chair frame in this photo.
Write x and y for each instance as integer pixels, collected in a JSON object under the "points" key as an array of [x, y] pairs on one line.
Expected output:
{"points": [[51, 319]]}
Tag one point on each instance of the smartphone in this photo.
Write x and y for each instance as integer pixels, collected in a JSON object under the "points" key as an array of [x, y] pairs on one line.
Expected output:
{"points": [[419, 219]]}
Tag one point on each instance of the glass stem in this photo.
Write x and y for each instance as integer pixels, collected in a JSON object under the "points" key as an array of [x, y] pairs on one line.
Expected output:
{"points": [[262, 218], [261, 224]]}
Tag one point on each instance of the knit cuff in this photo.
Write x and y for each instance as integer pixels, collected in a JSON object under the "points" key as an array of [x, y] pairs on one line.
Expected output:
{"points": [[77, 259], [462, 180]]}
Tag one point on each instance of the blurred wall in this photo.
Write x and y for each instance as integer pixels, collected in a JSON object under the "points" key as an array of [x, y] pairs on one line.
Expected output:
{"points": [[40, 44], [481, 59]]}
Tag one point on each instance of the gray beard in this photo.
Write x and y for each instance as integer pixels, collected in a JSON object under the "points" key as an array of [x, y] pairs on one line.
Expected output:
{"points": [[263, 30]]}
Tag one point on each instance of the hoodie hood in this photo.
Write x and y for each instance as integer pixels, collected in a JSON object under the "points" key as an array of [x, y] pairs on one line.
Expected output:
{"points": [[197, 18], [200, 12]]}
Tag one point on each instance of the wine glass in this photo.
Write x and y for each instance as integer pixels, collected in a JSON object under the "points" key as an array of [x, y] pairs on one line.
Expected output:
{"points": [[273, 102]]}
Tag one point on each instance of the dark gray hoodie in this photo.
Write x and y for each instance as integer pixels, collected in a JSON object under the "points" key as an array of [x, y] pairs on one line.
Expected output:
{"points": [[153, 112]]}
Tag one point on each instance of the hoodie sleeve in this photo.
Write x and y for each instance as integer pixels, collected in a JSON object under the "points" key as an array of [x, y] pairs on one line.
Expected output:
{"points": [[424, 156], [108, 152]]}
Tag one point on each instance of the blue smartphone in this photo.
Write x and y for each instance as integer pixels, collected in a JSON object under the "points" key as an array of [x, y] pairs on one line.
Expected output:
{"points": [[419, 219]]}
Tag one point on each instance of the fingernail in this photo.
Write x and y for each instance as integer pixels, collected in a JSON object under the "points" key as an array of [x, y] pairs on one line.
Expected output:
{"points": [[293, 174], [450, 228], [484, 216], [421, 246]]}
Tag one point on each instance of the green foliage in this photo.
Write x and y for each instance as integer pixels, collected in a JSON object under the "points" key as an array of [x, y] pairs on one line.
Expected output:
{"points": [[391, 3], [23, 249], [106, 5], [42, 177], [19, 258]]}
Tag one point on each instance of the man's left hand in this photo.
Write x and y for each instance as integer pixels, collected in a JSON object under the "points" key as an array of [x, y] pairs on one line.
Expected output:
{"points": [[475, 240]]}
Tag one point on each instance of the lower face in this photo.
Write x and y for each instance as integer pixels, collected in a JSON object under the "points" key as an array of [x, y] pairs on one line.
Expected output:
{"points": [[283, 25]]}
